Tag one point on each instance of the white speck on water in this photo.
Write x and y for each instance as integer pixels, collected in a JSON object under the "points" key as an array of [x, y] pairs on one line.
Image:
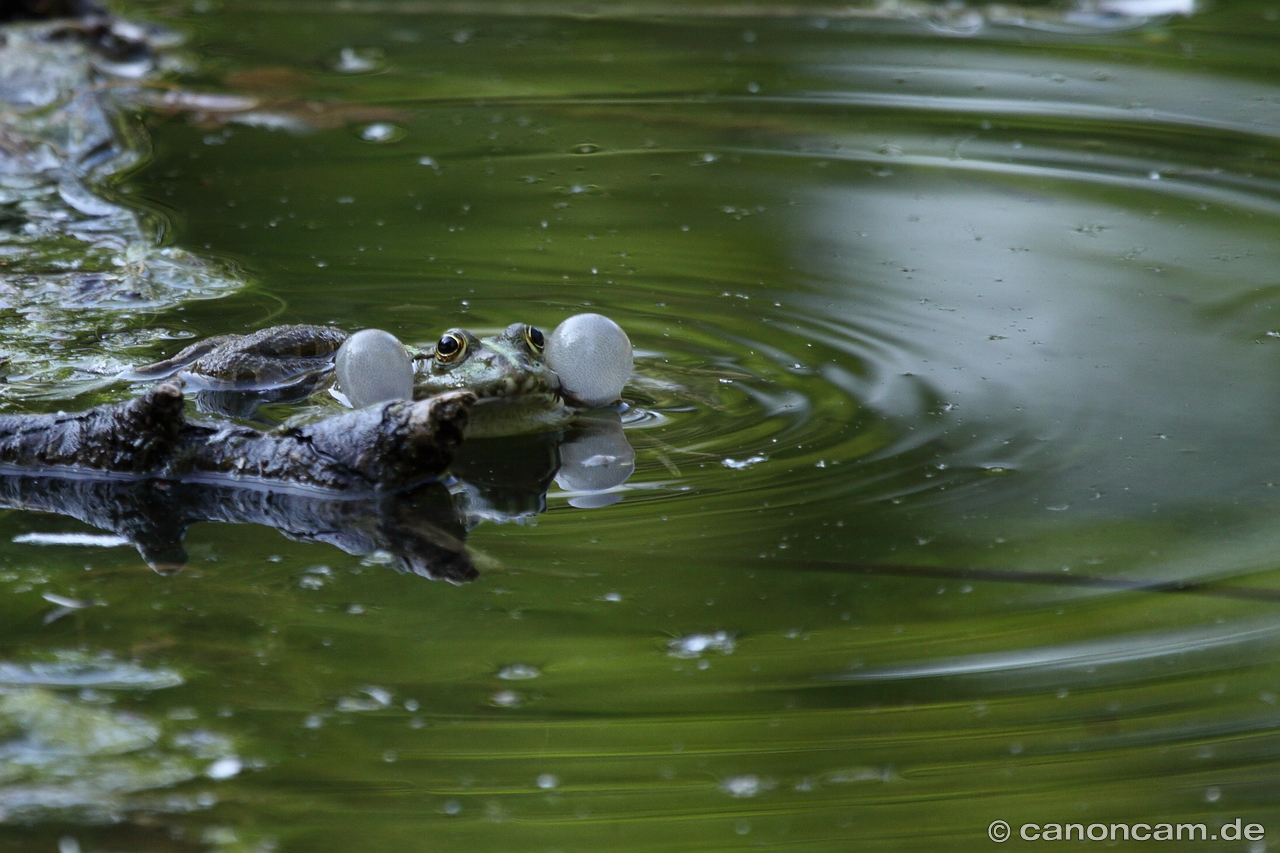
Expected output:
{"points": [[1212, 794], [352, 61], [85, 539], [374, 699], [610, 596], [518, 672], [693, 645], [218, 836], [313, 721], [71, 603], [547, 781], [451, 807], [747, 785], [745, 463], [381, 131], [68, 844], [224, 768], [1147, 8], [506, 699], [1153, 176]]}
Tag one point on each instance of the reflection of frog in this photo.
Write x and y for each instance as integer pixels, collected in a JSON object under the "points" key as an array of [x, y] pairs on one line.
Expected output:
{"points": [[507, 372]]}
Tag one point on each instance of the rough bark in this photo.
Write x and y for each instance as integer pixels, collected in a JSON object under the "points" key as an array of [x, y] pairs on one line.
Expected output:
{"points": [[381, 448]]}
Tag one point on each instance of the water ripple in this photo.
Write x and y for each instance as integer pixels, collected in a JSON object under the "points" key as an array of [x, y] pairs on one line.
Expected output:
{"points": [[1114, 660]]}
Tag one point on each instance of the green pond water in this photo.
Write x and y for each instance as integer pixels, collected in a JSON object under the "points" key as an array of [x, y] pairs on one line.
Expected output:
{"points": [[956, 418]]}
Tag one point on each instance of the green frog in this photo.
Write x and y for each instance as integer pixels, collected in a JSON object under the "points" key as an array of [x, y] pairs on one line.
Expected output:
{"points": [[517, 391]]}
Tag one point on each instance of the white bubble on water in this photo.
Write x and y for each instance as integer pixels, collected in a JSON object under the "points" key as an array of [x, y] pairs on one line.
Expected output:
{"points": [[747, 785], [518, 672], [506, 699], [224, 768], [382, 131], [693, 645], [740, 464]]}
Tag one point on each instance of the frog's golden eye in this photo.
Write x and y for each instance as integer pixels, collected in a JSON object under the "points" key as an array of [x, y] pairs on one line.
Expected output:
{"points": [[450, 348], [534, 337]]}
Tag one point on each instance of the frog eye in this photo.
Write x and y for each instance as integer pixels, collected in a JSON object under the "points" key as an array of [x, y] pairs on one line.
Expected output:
{"points": [[533, 336], [450, 348]]}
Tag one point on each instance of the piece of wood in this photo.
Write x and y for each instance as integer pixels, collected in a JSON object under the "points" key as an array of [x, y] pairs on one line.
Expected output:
{"points": [[381, 448]]}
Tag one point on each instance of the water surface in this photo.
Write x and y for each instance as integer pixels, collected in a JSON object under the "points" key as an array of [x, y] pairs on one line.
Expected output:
{"points": [[954, 417]]}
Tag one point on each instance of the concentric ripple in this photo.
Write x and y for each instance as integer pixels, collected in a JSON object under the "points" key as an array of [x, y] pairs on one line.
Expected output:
{"points": [[954, 417]]}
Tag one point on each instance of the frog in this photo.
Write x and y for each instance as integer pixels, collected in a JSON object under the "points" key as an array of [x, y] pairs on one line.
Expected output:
{"points": [[516, 390]]}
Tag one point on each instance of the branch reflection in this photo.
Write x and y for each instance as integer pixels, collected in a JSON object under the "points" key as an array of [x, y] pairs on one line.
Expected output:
{"points": [[423, 529]]}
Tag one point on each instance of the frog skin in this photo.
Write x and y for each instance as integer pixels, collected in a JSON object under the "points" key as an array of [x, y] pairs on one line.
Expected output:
{"points": [[268, 358], [516, 391]]}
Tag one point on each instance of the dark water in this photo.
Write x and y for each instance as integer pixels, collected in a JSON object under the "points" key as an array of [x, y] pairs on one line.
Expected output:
{"points": [[955, 417]]}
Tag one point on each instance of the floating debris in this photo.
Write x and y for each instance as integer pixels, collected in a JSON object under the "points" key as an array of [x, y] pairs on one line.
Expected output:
{"points": [[224, 768], [353, 60], [693, 645], [78, 263], [518, 672], [374, 699], [747, 785], [66, 758], [382, 132], [507, 699]]}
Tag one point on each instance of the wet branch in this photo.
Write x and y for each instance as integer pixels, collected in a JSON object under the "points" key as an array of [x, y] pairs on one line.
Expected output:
{"points": [[381, 448]]}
